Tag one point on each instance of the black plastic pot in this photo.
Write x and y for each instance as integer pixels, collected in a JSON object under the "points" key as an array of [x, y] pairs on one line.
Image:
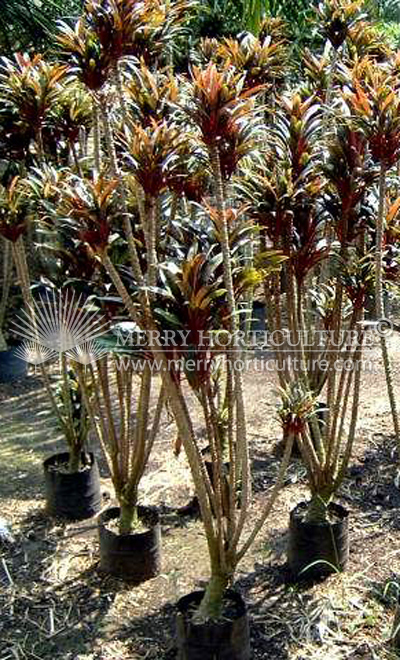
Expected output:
{"points": [[316, 550], [225, 640], [73, 496], [12, 367], [135, 557]]}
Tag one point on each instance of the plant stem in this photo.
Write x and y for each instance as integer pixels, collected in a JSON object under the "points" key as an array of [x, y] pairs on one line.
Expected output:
{"points": [[7, 271], [74, 462], [179, 407], [317, 508], [127, 518], [96, 139], [354, 412], [109, 139], [138, 458], [380, 313], [67, 413], [76, 159], [242, 457], [40, 145], [151, 242], [272, 499], [120, 93], [211, 605]]}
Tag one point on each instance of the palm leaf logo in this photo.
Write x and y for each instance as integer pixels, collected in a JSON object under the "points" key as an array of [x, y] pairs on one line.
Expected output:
{"points": [[34, 353], [87, 353], [59, 323]]}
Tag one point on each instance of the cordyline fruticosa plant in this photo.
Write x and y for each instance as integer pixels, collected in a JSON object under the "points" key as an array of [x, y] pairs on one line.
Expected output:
{"points": [[28, 89], [282, 193], [45, 117], [124, 425], [213, 110], [109, 32], [337, 20], [291, 199], [42, 118], [261, 61], [16, 206], [375, 106]]}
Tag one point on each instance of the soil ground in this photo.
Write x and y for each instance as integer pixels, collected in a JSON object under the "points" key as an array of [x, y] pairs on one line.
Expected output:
{"points": [[54, 602]]}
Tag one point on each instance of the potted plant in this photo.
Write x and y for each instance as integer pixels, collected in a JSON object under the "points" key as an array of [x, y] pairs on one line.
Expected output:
{"points": [[29, 89], [283, 192], [214, 111], [215, 96], [51, 326], [375, 108], [72, 479], [126, 427], [326, 445], [302, 194]]}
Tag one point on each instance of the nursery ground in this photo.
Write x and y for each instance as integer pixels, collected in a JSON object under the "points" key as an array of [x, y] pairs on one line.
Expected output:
{"points": [[54, 602]]}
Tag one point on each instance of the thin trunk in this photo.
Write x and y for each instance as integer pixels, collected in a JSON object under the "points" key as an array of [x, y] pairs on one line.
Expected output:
{"points": [[180, 411], [354, 414], [314, 423], [40, 145], [76, 159], [342, 396], [138, 464], [333, 352], [242, 457], [156, 420], [216, 460], [124, 401], [120, 93], [211, 605], [234, 464], [380, 312], [74, 441], [326, 125], [109, 139], [92, 410], [152, 242], [7, 273], [96, 139], [275, 323], [128, 517], [104, 389], [75, 459], [272, 499]]}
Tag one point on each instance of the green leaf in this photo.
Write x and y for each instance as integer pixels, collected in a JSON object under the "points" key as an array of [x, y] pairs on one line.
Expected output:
{"points": [[171, 319]]}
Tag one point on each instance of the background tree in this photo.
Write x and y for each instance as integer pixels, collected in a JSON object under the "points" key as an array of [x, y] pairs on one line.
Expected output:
{"points": [[31, 25]]}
